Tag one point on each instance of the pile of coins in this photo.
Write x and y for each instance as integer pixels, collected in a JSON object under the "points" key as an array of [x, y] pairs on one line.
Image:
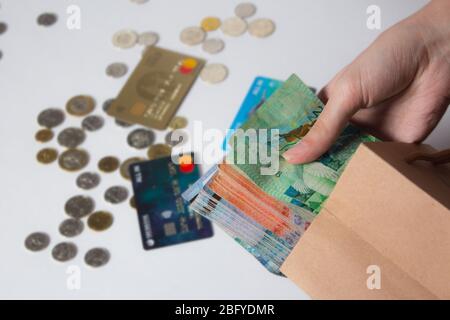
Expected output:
{"points": [[72, 159], [233, 27]]}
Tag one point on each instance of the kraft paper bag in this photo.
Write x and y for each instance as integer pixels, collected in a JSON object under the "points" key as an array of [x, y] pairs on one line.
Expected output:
{"points": [[384, 232]]}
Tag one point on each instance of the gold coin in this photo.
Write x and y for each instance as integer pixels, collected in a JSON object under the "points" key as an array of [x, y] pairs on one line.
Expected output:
{"points": [[73, 159], [44, 135], [80, 105], [108, 164], [178, 122], [133, 202], [159, 150], [124, 167], [100, 220], [47, 155], [210, 23]]}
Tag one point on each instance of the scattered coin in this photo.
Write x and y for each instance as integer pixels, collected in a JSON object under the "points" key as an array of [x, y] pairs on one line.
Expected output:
{"points": [[210, 23], [79, 206], [73, 159], [47, 19], [148, 38], [214, 73], [125, 39], [64, 251], [213, 45], [234, 26], [37, 241], [108, 164], [125, 166], [192, 36], [141, 138], [178, 122], [100, 220], [71, 137], [159, 151], [107, 104], [92, 123], [51, 118], [122, 123], [47, 155], [116, 194], [71, 227], [116, 69], [80, 105], [44, 135], [3, 27], [133, 202], [261, 28], [88, 180], [245, 10], [97, 257], [176, 138]]}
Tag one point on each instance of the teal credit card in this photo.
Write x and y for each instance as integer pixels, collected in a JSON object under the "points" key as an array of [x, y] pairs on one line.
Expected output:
{"points": [[164, 217], [260, 90]]}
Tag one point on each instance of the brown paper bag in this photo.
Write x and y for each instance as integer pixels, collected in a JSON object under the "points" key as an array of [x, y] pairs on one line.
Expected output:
{"points": [[384, 232]]}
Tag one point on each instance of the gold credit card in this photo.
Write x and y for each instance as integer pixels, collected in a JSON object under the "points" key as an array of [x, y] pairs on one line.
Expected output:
{"points": [[156, 88]]}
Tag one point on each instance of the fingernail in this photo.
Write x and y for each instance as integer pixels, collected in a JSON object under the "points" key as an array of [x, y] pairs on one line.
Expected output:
{"points": [[294, 154]]}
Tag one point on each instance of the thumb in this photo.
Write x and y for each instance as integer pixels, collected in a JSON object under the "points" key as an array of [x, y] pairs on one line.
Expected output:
{"points": [[341, 106]]}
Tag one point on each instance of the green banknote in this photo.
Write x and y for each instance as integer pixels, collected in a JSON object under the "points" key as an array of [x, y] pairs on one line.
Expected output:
{"points": [[292, 110]]}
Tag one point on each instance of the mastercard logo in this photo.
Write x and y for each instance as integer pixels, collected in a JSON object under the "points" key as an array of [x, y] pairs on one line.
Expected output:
{"points": [[186, 163], [187, 65]]}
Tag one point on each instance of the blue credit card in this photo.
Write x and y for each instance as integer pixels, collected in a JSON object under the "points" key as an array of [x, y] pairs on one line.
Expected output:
{"points": [[164, 217], [261, 89]]}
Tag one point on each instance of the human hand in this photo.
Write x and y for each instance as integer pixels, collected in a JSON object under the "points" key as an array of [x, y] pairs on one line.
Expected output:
{"points": [[398, 89]]}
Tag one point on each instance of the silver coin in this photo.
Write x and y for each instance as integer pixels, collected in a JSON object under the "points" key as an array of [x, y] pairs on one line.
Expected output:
{"points": [[88, 180], [261, 28], [92, 123], [213, 45], [79, 206], [37, 241], [234, 26], [123, 124], [71, 227], [3, 27], [116, 69], [97, 257], [176, 138], [125, 39], [116, 194], [192, 36], [107, 104], [47, 19], [64, 251], [245, 10], [214, 73], [71, 137], [148, 38], [51, 117], [73, 159], [141, 138]]}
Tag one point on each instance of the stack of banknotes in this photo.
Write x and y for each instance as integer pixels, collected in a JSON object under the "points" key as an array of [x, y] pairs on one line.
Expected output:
{"points": [[257, 197]]}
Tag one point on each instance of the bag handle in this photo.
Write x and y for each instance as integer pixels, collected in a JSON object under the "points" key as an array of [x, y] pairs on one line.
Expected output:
{"points": [[435, 158]]}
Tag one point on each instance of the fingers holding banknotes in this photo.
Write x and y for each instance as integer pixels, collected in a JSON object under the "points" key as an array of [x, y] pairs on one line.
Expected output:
{"points": [[397, 89]]}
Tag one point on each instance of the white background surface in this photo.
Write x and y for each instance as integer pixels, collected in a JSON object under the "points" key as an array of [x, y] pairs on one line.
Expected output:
{"points": [[44, 67]]}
